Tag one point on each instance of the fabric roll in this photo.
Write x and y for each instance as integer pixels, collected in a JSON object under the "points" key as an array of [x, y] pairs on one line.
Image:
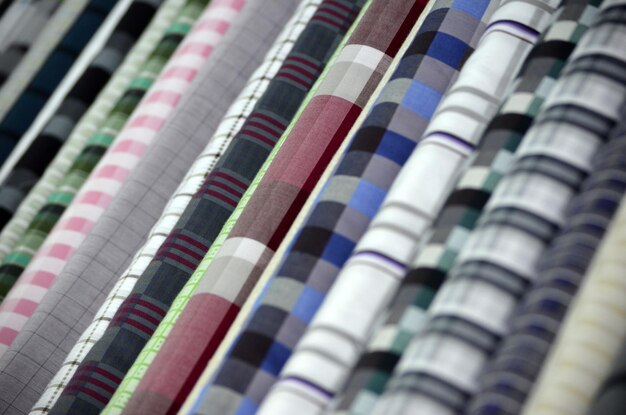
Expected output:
{"points": [[20, 27], [323, 358], [129, 219], [350, 199], [463, 207], [129, 71], [57, 325], [56, 28], [45, 146], [610, 399], [438, 372], [23, 111], [276, 199], [510, 375], [21, 217], [230, 125]]}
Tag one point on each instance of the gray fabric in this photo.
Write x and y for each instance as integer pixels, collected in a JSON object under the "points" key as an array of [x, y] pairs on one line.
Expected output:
{"points": [[73, 300]]}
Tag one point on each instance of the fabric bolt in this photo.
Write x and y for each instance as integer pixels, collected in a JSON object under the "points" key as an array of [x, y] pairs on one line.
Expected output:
{"points": [[128, 221], [51, 35], [439, 370], [22, 32], [512, 370], [16, 120], [463, 207], [87, 126], [276, 200], [610, 398], [348, 202], [45, 146], [332, 343], [230, 125], [88, 277]]}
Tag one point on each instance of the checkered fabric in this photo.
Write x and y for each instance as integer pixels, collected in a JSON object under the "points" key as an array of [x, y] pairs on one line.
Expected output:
{"points": [[513, 369], [45, 146], [439, 370], [610, 399], [230, 125], [324, 357], [71, 302], [351, 198], [20, 27], [463, 207], [276, 200], [17, 120]]}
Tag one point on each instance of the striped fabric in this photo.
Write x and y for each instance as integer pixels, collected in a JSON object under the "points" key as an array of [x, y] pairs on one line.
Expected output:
{"points": [[439, 370], [276, 200], [51, 35], [512, 371], [94, 197], [610, 398], [356, 189], [462, 208], [87, 126], [25, 109], [20, 27], [324, 357], [229, 126], [43, 149], [236, 60]]}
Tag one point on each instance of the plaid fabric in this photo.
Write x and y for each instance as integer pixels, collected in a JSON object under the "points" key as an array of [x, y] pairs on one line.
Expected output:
{"points": [[20, 27], [238, 56], [314, 373], [43, 149], [276, 200], [25, 109], [438, 372], [462, 208], [70, 293], [510, 375], [348, 203], [230, 125]]}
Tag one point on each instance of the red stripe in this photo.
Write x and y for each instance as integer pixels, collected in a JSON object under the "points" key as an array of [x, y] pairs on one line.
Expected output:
{"points": [[192, 241], [148, 305], [326, 20], [339, 5], [304, 62], [184, 249], [300, 70], [264, 128], [221, 197], [294, 79], [94, 395], [231, 179], [225, 187], [314, 175], [406, 27], [259, 137], [269, 120], [326, 9], [92, 366], [180, 259], [139, 326], [142, 314]]}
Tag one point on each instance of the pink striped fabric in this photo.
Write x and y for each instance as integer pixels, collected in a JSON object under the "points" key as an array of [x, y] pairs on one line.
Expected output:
{"points": [[108, 177]]}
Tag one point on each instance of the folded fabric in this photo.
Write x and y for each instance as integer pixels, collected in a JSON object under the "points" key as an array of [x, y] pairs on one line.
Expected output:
{"points": [[438, 372], [462, 208], [229, 126], [23, 111], [610, 399], [44, 147]]}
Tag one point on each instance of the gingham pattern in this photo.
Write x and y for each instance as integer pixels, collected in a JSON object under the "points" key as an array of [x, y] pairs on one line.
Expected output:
{"points": [[511, 372], [438, 372], [462, 208], [276, 200], [356, 189], [323, 359], [42, 150], [98, 191], [230, 125], [20, 27], [25, 109], [238, 56]]}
